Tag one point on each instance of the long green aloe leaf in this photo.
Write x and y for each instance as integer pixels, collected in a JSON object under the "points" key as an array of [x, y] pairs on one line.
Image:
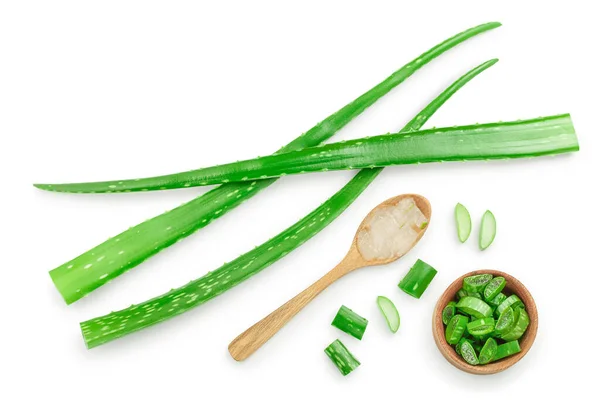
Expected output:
{"points": [[80, 276], [103, 329], [527, 138]]}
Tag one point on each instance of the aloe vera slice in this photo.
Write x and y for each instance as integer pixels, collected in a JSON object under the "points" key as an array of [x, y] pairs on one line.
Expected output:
{"points": [[168, 305], [448, 312], [477, 295], [507, 349], [350, 322], [468, 353], [488, 351], [456, 328], [461, 293], [341, 357], [504, 140], [487, 232], [505, 322], [519, 328], [390, 313], [80, 276], [463, 222], [481, 326], [476, 283], [494, 288], [511, 301], [474, 307], [496, 301]]}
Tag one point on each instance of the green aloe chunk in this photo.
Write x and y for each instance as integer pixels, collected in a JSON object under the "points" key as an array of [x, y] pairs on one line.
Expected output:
{"points": [[418, 278], [350, 322], [507, 349], [481, 326], [505, 322], [488, 351], [477, 295], [460, 342], [476, 283], [197, 292], [456, 328], [493, 288], [474, 307], [448, 312], [468, 353], [341, 357], [511, 301], [80, 276], [461, 293], [496, 301], [519, 327]]}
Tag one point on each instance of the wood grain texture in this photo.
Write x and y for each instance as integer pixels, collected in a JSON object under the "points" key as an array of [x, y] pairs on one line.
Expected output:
{"points": [[258, 334], [513, 286]]}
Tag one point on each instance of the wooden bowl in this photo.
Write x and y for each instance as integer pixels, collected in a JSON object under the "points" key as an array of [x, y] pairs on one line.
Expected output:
{"points": [[513, 286]]}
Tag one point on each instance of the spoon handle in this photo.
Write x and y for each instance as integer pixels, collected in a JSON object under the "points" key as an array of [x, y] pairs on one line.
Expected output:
{"points": [[258, 334]]}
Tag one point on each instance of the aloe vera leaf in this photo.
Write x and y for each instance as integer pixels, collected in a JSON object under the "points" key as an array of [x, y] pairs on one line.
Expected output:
{"points": [[320, 132], [487, 231], [109, 327], [515, 139], [80, 276], [463, 222]]}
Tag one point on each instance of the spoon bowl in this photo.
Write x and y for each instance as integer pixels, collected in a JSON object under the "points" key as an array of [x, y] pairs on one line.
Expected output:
{"points": [[420, 202]]}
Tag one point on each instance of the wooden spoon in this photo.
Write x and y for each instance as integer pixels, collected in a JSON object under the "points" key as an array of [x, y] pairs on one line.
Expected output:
{"points": [[258, 334]]}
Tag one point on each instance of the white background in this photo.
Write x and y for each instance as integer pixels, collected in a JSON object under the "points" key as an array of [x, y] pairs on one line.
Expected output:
{"points": [[100, 90]]}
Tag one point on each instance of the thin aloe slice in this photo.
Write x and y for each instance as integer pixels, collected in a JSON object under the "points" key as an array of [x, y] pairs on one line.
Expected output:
{"points": [[214, 283], [341, 357], [487, 232], [463, 222], [503, 140], [390, 313], [83, 274]]}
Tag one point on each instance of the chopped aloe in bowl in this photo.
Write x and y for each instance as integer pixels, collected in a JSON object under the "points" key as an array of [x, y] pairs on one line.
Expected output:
{"points": [[485, 322]]}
